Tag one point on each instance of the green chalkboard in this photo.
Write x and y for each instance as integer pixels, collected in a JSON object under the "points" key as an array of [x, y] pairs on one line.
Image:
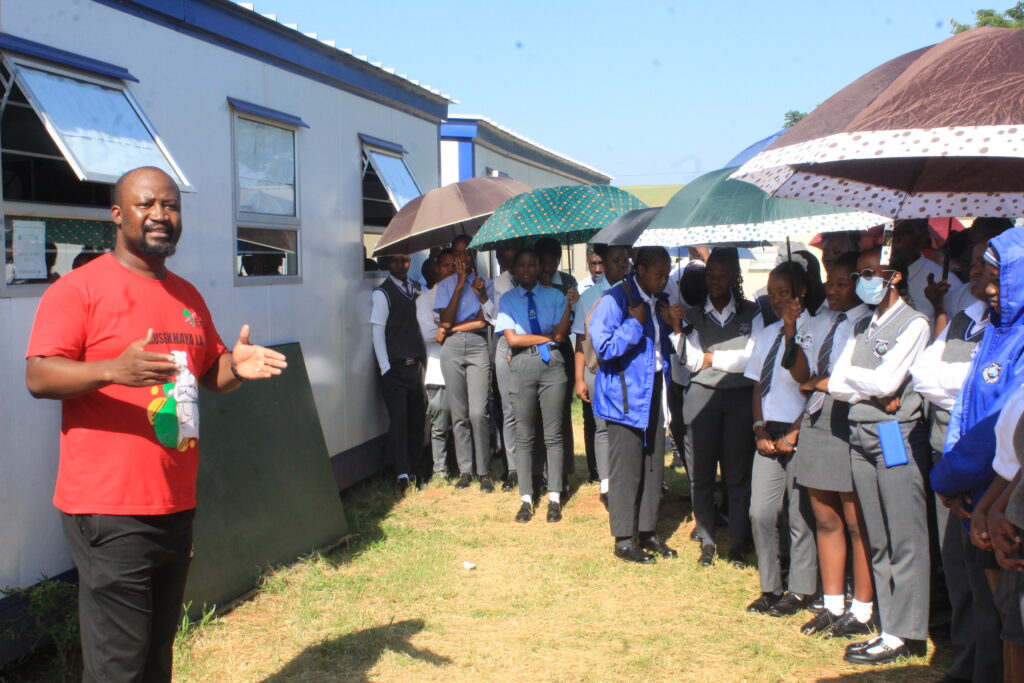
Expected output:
{"points": [[266, 492]]}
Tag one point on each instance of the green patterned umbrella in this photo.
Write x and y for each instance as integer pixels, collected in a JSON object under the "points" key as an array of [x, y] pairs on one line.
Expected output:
{"points": [[571, 214]]}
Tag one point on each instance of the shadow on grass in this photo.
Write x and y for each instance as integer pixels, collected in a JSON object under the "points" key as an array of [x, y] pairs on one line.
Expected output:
{"points": [[366, 505], [356, 654]]}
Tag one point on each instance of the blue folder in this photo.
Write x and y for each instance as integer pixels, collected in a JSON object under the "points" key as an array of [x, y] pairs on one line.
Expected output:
{"points": [[894, 448]]}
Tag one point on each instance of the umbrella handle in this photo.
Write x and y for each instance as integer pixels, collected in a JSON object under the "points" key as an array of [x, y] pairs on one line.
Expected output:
{"points": [[945, 259]]}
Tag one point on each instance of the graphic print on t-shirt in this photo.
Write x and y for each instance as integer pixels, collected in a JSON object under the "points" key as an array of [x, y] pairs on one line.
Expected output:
{"points": [[174, 413]]}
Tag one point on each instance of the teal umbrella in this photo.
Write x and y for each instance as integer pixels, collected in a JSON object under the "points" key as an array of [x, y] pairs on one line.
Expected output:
{"points": [[570, 214], [714, 209]]}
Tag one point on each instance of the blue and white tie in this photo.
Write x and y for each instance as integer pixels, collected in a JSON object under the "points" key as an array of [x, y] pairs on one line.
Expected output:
{"points": [[542, 349]]}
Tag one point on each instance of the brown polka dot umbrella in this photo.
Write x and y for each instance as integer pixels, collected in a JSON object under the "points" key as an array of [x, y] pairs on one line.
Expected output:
{"points": [[935, 132]]}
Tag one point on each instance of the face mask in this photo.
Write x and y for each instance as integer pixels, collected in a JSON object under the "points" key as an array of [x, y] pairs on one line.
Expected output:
{"points": [[871, 290]]}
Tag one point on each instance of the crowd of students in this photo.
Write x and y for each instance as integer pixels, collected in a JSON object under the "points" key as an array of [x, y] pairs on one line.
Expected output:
{"points": [[866, 428]]}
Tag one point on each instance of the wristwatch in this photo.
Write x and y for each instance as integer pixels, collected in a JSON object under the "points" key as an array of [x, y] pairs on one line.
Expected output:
{"points": [[759, 423]]}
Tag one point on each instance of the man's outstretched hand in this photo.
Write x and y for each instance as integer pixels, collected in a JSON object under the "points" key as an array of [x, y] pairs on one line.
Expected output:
{"points": [[255, 362]]}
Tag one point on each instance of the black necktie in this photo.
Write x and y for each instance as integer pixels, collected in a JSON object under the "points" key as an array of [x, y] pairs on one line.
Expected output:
{"points": [[769, 365], [824, 354]]}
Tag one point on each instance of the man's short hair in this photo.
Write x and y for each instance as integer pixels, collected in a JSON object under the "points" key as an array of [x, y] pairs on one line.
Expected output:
{"points": [[548, 246]]}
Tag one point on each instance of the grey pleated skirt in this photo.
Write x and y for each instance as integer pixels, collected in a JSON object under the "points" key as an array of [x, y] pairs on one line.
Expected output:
{"points": [[823, 452]]}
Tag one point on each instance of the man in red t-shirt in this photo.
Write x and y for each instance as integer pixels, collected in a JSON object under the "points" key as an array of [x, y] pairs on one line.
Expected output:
{"points": [[124, 344]]}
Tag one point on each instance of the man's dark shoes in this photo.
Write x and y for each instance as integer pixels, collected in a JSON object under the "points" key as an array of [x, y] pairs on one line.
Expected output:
{"points": [[403, 485], [653, 545], [525, 513], [511, 482], [877, 653], [694, 535], [822, 622], [790, 604], [707, 555], [464, 481], [554, 511], [848, 626], [486, 485], [763, 603], [737, 559], [633, 553]]}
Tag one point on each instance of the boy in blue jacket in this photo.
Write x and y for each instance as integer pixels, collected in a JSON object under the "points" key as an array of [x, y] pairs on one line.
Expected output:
{"points": [[629, 330]]}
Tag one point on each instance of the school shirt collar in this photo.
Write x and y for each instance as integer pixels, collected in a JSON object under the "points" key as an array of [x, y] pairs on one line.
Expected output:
{"points": [[877, 321], [523, 291], [978, 311], [406, 286], [855, 313]]}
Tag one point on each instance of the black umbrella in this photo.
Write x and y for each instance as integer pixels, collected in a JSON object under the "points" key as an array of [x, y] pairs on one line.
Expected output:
{"points": [[624, 230]]}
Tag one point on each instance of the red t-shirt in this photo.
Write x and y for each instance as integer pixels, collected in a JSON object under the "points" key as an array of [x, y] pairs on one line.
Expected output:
{"points": [[127, 450]]}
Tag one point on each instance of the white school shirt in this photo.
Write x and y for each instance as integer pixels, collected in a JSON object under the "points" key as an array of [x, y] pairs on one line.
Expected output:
{"points": [[652, 304], [917, 280], [1007, 463], [854, 384], [502, 284], [379, 318], [818, 328], [940, 382], [428, 320], [959, 297], [784, 402], [734, 360]]}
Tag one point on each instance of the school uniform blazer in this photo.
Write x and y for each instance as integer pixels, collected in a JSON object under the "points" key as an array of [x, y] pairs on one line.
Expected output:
{"points": [[996, 372], [626, 356]]}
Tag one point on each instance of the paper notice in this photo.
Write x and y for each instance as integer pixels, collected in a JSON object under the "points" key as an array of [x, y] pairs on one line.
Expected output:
{"points": [[30, 250]]}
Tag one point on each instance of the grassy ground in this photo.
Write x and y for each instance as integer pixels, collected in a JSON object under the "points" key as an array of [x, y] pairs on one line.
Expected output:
{"points": [[541, 601]]}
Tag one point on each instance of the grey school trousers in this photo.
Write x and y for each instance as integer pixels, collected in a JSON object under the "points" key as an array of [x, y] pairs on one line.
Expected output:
{"points": [[600, 430], [636, 470], [536, 385], [466, 367], [440, 424], [896, 522], [772, 483], [502, 372]]}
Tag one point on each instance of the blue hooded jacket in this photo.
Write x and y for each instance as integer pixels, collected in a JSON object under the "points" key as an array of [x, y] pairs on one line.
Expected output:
{"points": [[626, 358], [996, 372]]}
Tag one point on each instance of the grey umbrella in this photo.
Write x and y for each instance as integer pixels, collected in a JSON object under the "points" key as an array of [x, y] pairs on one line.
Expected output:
{"points": [[624, 230]]}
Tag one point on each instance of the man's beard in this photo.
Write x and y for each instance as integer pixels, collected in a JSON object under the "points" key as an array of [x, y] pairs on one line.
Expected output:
{"points": [[162, 249]]}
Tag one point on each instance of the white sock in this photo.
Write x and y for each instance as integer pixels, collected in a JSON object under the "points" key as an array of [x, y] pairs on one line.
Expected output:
{"points": [[555, 496], [862, 611], [892, 641], [528, 498], [604, 486], [835, 604]]}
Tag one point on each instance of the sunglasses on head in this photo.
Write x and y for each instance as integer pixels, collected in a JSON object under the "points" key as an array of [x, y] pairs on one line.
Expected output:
{"points": [[869, 273]]}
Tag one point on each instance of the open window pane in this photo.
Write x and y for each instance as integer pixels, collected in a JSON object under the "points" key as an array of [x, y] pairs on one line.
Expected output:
{"points": [[266, 168], [43, 249], [395, 176], [264, 252], [101, 132]]}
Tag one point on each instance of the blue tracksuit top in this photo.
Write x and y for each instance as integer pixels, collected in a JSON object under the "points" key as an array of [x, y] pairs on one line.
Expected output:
{"points": [[626, 358], [996, 372]]}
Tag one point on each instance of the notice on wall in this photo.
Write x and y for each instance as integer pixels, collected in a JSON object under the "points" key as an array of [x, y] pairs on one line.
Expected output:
{"points": [[29, 246]]}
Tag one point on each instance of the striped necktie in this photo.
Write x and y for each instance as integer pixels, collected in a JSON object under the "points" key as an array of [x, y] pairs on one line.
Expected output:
{"points": [[531, 312], [769, 365], [824, 355]]}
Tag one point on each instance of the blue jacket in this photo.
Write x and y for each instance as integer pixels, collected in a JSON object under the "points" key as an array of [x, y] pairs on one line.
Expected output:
{"points": [[996, 372], [626, 358]]}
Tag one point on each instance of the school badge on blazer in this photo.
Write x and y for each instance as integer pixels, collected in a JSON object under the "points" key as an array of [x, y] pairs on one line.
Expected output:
{"points": [[991, 373], [881, 348]]}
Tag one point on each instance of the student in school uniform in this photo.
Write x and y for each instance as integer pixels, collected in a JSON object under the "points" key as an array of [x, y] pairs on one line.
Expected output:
{"points": [[595, 265], [939, 375], [630, 333], [777, 368], [505, 282], [438, 413], [466, 366], [534, 319], [615, 261], [889, 456], [716, 345], [823, 465], [400, 353]]}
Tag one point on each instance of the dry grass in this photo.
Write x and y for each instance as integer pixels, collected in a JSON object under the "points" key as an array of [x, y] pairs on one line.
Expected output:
{"points": [[544, 602]]}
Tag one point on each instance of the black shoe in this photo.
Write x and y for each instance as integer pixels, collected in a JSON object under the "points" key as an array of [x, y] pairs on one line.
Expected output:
{"points": [[763, 603], [707, 555], [848, 626], [878, 653], [821, 622], [633, 553], [862, 645], [464, 481], [486, 485], [790, 604], [604, 500], [511, 482], [525, 513], [554, 511], [403, 485], [694, 536], [654, 545], [737, 559]]}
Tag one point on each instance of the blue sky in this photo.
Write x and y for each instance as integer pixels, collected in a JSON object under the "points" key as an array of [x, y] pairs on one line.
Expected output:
{"points": [[650, 92]]}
